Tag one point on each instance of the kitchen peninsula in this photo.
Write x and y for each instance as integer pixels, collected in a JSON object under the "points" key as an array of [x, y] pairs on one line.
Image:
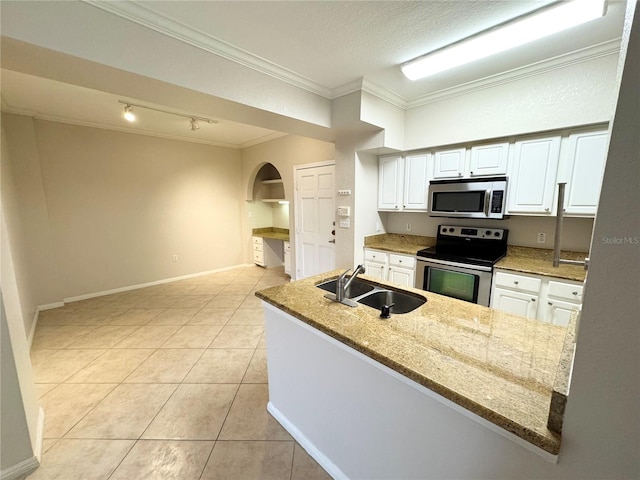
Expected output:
{"points": [[374, 398]]}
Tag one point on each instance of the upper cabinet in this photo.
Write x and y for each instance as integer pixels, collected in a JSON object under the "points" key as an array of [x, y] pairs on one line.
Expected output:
{"points": [[478, 161], [449, 163], [585, 161], [402, 182], [532, 176], [489, 160]]}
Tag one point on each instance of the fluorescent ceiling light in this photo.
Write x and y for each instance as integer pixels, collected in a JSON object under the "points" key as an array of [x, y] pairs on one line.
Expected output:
{"points": [[508, 35]]}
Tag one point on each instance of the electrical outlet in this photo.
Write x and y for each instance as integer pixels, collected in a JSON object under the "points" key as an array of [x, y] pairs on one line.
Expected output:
{"points": [[542, 237], [408, 227], [378, 227], [175, 258]]}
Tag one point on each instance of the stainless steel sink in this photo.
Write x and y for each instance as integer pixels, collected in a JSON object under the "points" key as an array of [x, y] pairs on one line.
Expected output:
{"points": [[377, 297], [401, 302], [356, 289]]}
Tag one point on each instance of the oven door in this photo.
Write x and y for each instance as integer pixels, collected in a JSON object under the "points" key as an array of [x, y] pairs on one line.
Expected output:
{"points": [[471, 283]]}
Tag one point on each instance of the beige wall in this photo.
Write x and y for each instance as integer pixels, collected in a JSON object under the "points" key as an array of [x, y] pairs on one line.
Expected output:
{"points": [[283, 153], [121, 205]]}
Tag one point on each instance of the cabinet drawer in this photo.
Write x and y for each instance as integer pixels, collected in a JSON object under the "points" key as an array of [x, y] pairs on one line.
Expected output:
{"points": [[257, 247], [375, 256], [257, 241], [517, 282], [287, 247], [566, 291], [402, 261], [258, 257]]}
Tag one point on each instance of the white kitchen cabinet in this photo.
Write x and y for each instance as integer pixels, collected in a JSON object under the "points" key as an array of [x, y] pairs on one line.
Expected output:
{"points": [[587, 154], [287, 257], [376, 263], [415, 182], [449, 163], [532, 177], [390, 179], [516, 294], [547, 299], [489, 160], [267, 252], [402, 270], [402, 183], [394, 267]]}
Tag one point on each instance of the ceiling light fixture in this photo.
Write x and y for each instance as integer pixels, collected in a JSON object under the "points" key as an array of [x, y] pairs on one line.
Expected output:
{"points": [[128, 114], [193, 119], [544, 22]]}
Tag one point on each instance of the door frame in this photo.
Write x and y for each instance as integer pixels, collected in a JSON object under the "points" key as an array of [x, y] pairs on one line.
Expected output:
{"points": [[296, 220]]}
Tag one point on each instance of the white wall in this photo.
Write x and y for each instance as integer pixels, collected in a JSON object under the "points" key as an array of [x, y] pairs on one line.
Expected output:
{"points": [[283, 153], [121, 205], [578, 94], [523, 231]]}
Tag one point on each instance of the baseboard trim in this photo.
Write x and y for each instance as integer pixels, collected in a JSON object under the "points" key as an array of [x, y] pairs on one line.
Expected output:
{"points": [[151, 284], [20, 470], [330, 467], [40, 434]]}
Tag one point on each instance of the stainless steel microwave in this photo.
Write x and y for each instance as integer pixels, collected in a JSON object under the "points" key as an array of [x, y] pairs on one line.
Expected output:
{"points": [[470, 198]]}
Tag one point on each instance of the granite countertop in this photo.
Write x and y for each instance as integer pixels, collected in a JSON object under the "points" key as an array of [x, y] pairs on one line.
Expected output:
{"points": [[272, 232], [398, 243], [539, 261], [499, 366]]}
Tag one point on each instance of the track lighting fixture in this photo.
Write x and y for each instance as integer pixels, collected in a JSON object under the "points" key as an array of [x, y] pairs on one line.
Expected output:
{"points": [[194, 121], [128, 114]]}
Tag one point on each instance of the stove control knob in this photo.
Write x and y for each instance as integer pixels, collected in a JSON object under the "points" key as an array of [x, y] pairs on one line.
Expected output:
{"points": [[451, 230], [496, 234], [488, 232]]}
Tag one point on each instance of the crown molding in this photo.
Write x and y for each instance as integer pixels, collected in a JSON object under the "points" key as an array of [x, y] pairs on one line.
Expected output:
{"points": [[384, 93], [105, 126], [136, 12], [263, 139], [611, 47]]}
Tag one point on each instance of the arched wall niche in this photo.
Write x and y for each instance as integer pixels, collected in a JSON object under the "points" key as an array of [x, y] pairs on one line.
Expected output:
{"points": [[266, 184]]}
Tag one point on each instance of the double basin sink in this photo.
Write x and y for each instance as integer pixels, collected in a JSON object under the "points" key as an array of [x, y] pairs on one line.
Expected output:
{"points": [[377, 297]]}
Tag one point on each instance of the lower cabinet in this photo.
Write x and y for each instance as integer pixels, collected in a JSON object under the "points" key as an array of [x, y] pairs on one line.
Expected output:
{"points": [[396, 268], [267, 252], [532, 296], [287, 258]]}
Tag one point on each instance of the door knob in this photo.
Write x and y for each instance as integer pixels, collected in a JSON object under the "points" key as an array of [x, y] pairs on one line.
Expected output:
{"points": [[332, 241]]}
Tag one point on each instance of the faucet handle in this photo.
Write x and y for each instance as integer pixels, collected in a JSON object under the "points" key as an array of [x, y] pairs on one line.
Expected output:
{"points": [[385, 311]]}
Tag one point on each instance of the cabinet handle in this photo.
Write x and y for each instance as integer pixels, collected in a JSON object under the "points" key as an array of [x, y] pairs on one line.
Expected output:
{"points": [[515, 282], [575, 293], [550, 303], [400, 261], [546, 209], [533, 299]]}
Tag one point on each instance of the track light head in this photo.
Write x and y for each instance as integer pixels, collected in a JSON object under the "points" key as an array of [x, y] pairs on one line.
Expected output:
{"points": [[128, 114], [194, 124]]}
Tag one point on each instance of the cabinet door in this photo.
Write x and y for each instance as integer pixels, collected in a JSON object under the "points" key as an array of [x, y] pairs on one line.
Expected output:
{"points": [[518, 303], [415, 182], [390, 173], [589, 154], [489, 160], [449, 163], [558, 312], [376, 270], [533, 176], [402, 276]]}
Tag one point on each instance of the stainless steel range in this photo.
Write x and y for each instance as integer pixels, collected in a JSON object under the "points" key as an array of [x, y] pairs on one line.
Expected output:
{"points": [[461, 263]]}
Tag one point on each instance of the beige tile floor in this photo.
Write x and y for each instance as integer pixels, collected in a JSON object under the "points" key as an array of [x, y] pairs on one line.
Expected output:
{"points": [[165, 382]]}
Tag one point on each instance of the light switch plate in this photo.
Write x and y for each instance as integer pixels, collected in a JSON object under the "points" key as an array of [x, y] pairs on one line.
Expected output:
{"points": [[344, 192], [345, 223], [344, 211]]}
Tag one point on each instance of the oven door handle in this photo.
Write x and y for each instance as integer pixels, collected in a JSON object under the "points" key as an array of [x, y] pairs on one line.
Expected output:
{"points": [[487, 199], [445, 263]]}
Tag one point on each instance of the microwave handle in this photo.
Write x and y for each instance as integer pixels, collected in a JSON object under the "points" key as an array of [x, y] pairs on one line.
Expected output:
{"points": [[487, 199]]}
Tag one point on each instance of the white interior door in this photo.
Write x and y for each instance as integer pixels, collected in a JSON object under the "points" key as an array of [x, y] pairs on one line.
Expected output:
{"points": [[315, 220]]}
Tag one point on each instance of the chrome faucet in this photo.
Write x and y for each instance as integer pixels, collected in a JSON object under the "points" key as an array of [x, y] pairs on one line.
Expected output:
{"points": [[342, 286]]}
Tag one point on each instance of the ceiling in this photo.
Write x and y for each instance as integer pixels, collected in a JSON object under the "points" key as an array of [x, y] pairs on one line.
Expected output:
{"points": [[328, 47]]}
